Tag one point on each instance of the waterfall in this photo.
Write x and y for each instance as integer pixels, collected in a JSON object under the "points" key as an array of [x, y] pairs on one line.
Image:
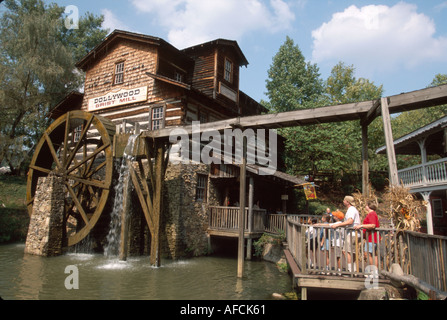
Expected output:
{"points": [[114, 236]]}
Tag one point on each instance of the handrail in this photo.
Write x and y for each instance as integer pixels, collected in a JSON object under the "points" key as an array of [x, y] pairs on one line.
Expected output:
{"points": [[227, 218], [305, 245], [421, 255], [434, 172]]}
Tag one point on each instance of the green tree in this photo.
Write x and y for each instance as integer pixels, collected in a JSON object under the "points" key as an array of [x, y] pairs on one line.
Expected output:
{"points": [[409, 121], [37, 57], [295, 84], [292, 82], [343, 87]]}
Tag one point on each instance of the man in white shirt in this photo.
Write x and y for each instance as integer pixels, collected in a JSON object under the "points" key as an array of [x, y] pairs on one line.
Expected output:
{"points": [[352, 218]]}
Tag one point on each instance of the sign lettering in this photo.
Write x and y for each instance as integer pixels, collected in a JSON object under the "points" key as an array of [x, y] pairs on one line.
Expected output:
{"points": [[114, 99]]}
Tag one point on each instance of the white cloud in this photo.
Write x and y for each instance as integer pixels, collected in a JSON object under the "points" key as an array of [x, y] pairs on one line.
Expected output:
{"points": [[189, 22], [379, 38], [111, 22]]}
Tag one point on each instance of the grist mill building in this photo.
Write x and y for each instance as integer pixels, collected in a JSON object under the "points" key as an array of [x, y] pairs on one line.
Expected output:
{"points": [[144, 83]]}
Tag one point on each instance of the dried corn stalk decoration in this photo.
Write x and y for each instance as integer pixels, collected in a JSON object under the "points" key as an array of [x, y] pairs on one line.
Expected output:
{"points": [[403, 208], [361, 201]]}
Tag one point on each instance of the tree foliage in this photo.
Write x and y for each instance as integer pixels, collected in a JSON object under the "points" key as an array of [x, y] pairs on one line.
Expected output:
{"points": [[407, 122], [37, 57], [294, 84]]}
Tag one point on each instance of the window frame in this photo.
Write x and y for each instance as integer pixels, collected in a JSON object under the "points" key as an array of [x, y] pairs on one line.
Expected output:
{"points": [[437, 208], [160, 119], [119, 73], [228, 72], [201, 188], [77, 133]]}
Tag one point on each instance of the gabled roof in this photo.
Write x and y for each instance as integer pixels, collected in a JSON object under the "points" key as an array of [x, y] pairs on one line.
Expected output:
{"points": [[120, 34], [73, 101], [220, 42], [407, 144]]}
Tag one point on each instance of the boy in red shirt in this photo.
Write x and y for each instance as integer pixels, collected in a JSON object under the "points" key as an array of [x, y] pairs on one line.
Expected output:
{"points": [[370, 223]]}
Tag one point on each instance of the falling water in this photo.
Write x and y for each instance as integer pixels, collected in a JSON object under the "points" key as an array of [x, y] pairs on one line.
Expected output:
{"points": [[111, 249]]}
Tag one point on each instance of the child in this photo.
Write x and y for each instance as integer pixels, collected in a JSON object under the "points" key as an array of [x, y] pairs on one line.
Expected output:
{"points": [[337, 237], [324, 236], [370, 223], [311, 238]]}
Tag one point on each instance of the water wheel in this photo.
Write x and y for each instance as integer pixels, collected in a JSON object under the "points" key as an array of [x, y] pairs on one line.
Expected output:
{"points": [[77, 147]]}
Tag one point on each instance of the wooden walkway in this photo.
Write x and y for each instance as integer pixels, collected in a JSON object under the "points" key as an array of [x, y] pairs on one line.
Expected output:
{"points": [[328, 280], [419, 255]]}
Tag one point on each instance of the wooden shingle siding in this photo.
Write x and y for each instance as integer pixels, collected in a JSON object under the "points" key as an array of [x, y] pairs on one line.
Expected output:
{"points": [[138, 58], [190, 84]]}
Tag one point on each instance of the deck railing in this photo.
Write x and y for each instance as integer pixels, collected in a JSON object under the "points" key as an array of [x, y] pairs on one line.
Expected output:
{"points": [[227, 218], [277, 223], [418, 254], [427, 258], [431, 173], [320, 249]]}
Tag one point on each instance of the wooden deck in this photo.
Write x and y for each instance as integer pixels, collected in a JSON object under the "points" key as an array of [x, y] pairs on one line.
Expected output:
{"points": [[327, 280], [224, 222], [419, 255]]}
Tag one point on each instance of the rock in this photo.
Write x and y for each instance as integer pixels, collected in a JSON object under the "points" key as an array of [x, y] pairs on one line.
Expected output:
{"points": [[278, 296], [273, 253], [397, 270], [373, 294]]}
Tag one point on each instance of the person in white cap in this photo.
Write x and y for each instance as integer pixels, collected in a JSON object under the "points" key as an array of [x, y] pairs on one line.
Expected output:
{"points": [[352, 219]]}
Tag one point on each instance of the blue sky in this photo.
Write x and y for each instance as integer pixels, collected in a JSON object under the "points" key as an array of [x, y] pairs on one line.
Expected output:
{"points": [[400, 44]]}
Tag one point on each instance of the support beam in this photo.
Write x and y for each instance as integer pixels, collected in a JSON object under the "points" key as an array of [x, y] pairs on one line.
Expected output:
{"points": [[242, 177], [250, 215], [157, 202], [365, 161], [426, 196], [152, 204], [391, 153]]}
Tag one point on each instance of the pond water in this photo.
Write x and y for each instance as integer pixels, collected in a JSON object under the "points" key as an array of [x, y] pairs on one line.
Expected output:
{"points": [[24, 276]]}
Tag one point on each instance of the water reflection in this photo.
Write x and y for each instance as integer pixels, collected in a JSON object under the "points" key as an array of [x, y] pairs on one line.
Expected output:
{"points": [[211, 278]]}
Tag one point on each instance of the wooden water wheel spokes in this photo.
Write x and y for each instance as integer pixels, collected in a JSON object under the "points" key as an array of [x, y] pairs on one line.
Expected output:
{"points": [[78, 148]]}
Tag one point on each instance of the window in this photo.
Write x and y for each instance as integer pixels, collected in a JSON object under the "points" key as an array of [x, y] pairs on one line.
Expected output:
{"points": [[203, 117], [77, 133], [201, 187], [178, 77], [437, 208], [119, 73], [228, 70], [157, 118]]}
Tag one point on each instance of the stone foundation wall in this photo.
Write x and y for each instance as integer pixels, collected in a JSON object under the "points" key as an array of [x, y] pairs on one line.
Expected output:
{"points": [[185, 219], [46, 225]]}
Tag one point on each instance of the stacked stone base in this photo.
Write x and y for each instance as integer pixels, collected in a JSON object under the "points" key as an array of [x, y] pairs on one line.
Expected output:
{"points": [[46, 225]]}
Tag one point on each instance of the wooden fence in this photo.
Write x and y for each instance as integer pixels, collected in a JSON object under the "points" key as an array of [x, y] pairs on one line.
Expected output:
{"points": [[227, 218], [427, 258]]}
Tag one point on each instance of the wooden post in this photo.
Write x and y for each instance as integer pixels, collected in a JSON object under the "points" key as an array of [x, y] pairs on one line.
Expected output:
{"points": [[429, 215], [365, 161], [240, 257], [391, 154], [250, 216], [157, 203]]}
